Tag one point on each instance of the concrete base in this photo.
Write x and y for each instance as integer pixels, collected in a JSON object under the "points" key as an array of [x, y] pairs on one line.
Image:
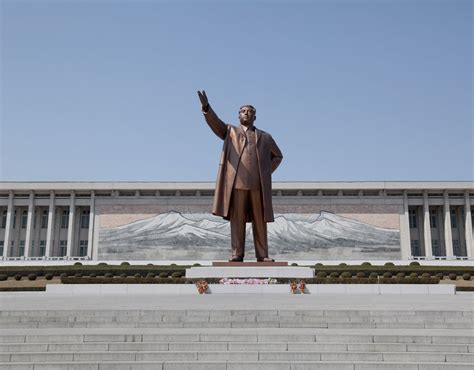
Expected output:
{"points": [[179, 289], [250, 272]]}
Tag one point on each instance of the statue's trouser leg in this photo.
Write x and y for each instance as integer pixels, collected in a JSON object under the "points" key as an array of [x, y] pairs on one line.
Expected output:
{"points": [[238, 218], [259, 226]]}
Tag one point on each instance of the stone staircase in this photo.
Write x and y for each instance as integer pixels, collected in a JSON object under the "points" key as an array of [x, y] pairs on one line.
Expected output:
{"points": [[235, 339]]}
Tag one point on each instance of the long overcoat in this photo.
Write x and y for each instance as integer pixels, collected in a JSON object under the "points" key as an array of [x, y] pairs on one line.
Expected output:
{"points": [[269, 158]]}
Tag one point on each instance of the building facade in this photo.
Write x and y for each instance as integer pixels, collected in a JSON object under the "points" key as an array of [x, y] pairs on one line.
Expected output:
{"points": [[172, 221]]}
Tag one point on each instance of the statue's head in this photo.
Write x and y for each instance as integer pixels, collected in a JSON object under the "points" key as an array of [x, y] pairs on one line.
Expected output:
{"points": [[247, 115]]}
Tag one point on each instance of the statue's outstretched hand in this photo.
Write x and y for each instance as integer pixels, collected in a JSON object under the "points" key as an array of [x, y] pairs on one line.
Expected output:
{"points": [[203, 98]]}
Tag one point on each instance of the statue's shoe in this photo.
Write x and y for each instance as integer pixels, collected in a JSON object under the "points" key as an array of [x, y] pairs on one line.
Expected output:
{"points": [[236, 259], [266, 259]]}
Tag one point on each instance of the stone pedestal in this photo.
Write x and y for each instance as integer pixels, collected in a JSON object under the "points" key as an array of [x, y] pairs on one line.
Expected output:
{"points": [[258, 271]]}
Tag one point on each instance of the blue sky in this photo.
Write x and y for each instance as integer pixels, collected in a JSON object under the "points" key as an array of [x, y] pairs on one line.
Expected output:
{"points": [[350, 90]]}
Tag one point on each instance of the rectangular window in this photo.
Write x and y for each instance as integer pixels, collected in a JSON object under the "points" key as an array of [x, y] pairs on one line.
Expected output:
{"points": [[83, 248], [24, 219], [433, 219], [436, 247], [4, 220], [62, 248], [413, 219], [415, 247], [457, 248], [21, 249], [65, 219], [14, 219], [85, 219], [42, 248], [1, 247], [44, 219], [454, 219], [32, 247]]}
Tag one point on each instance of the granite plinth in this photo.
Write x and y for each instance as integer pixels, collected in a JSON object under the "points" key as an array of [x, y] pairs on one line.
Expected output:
{"points": [[248, 264], [250, 272]]}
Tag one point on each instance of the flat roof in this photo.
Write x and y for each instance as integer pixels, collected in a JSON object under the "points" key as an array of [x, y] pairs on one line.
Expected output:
{"points": [[198, 185]]}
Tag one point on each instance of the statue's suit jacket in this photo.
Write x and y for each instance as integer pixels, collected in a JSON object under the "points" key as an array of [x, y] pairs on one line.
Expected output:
{"points": [[269, 158]]}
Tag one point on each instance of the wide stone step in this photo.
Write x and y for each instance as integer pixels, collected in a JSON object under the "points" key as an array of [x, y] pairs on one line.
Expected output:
{"points": [[235, 365], [399, 336], [400, 357], [235, 346]]}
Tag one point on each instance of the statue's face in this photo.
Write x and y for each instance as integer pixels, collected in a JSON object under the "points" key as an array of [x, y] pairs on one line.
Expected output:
{"points": [[247, 115]]}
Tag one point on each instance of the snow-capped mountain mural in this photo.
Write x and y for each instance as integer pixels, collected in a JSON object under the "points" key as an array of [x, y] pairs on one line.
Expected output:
{"points": [[200, 236]]}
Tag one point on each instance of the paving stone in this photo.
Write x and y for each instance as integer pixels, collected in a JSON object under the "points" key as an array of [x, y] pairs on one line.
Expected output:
{"points": [[23, 347], [166, 356], [228, 356], [318, 347], [258, 366], [301, 365], [268, 346], [175, 365]]}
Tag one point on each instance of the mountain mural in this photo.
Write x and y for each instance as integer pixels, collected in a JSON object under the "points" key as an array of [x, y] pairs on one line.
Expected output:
{"points": [[199, 236]]}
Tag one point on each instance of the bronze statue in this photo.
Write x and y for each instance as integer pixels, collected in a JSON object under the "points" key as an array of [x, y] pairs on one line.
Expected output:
{"points": [[244, 181]]}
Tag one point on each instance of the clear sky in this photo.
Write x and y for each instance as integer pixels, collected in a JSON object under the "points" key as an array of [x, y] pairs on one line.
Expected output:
{"points": [[350, 90]]}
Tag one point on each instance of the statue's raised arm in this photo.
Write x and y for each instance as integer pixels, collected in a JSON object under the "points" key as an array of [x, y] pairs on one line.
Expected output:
{"points": [[214, 122]]}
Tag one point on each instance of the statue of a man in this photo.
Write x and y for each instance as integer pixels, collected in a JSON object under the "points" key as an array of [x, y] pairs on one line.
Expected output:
{"points": [[244, 181]]}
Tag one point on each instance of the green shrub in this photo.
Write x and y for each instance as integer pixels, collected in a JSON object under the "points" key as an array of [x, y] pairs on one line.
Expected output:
{"points": [[102, 264], [361, 274], [123, 275], [294, 264], [440, 275], [321, 274], [334, 274], [92, 275], [389, 264], [414, 263], [49, 276], [346, 275], [452, 276], [387, 274], [319, 264], [150, 275], [343, 264], [138, 275], [32, 276], [177, 274], [150, 264], [425, 275], [466, 276], [78, 274], [63, 275], [109, 275], [366, 264], [163, 275], [78, 264], [173, 264], [125, 264], [400, 275], [197, 265], [18, 277], [373, 275], [3, 277], [413, 275]]}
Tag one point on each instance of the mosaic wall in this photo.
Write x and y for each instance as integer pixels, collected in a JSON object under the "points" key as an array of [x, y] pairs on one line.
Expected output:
{"points": [[306, 232]]}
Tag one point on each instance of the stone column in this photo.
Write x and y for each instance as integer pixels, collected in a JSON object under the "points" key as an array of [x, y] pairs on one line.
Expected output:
{"points": [[29, 224], [468, 225], [49, 232], [427, 226], [70, 226], [448, 235], [405, 229], [8, 226], [91, 226]]}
